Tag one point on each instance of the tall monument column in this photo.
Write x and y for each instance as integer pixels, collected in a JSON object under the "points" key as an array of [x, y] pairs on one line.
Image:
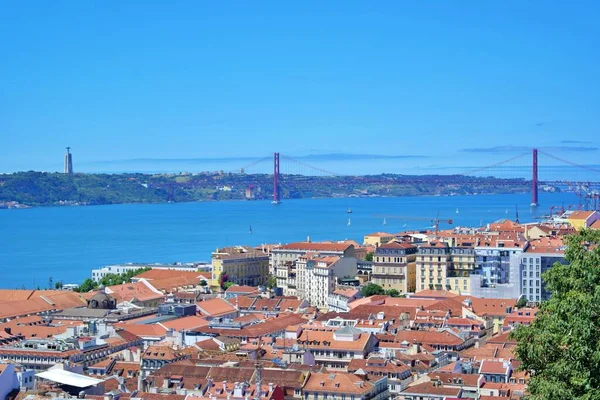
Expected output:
{"points": [[68, 162]]}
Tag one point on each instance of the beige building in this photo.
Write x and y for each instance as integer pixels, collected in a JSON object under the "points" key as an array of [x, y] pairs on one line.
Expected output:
{"points": [[447, 265], [394, 266], [433, 260], [377, 239], [243, 265]]}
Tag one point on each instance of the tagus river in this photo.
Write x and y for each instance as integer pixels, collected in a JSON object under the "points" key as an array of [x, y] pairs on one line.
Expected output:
{"points": [[66, 243]]}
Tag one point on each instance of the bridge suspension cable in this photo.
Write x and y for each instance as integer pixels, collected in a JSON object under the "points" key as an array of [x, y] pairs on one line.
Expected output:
{"points": [[476, 170], [329, 173], [571, 163]]}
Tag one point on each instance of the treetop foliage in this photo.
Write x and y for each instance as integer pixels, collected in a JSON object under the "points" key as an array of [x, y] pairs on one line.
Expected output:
{"points": [[561, 348]]}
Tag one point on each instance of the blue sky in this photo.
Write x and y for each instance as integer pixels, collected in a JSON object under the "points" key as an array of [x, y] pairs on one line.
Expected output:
{"points": [[459, 82]]}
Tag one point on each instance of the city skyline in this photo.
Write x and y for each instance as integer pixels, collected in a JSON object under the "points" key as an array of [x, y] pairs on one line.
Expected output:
{"points": [[156, 82]]}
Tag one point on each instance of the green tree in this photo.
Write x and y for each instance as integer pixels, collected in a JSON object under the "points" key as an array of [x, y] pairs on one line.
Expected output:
{"points": [[203, 283], [371, 289], [227, 285], [393, 293], [271, 281], [58, 285], [87, 285], [369, 256], [560, 349], [522, 302]]}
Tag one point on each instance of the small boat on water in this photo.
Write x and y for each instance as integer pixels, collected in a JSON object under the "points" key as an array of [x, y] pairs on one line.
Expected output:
{"points": [[457, 210], [250, 231], [349, 211], [349, 222], [384, 221]]}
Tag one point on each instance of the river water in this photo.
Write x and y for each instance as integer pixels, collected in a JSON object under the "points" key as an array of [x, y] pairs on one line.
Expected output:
{"points": [[66, 243]]}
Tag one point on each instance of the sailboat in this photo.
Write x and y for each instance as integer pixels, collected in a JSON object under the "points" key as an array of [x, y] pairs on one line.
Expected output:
{"points": [[250, 231], [404, 226], [457, 210], [384, 221], [506, 212], [349, 222]]}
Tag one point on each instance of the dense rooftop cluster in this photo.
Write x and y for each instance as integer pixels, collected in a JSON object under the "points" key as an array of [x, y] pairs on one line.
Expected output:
{"points": [[294, 324]]}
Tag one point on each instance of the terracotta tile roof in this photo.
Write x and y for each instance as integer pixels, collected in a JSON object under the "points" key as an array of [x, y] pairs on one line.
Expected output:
{"points": [[377, 365], [435, 294], [242, 302], [153, 330], [315, 246], [208, 344], [185, 323], [35, 303], [320, 337], [493, 367], [37, 331], [452, 379], [158, 352], [450, 304], [347, 292], [380, 234], [241, 289], [133, 291], [502, 338], [429, 337], [156, 273], [492, 307], [389, 312], [581, 214], [290, 304], [337, 383], [220, 374], [397, 245], [215, 307], [428, 388], [489, 352]]}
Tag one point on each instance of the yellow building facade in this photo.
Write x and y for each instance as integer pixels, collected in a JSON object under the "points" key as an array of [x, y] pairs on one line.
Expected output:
{"points": [[394, 267], [242, 265]]}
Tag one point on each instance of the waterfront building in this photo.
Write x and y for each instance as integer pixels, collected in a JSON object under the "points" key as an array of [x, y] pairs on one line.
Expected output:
{"points": [[394, 266], [242, 265]]}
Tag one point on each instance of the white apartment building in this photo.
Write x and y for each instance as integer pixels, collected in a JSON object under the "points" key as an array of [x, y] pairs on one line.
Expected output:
{"points": [[320, 278], [287, 267]]}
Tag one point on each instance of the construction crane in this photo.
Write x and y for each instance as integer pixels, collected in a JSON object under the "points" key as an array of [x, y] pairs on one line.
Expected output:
{"points": [[434, 221]]}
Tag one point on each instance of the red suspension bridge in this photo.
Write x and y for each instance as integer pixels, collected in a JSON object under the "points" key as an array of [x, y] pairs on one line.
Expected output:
{"points": [[536, 168]]}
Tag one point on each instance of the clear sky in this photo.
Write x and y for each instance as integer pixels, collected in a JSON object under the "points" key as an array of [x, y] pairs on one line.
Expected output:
{"points": [[461, 82]]}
